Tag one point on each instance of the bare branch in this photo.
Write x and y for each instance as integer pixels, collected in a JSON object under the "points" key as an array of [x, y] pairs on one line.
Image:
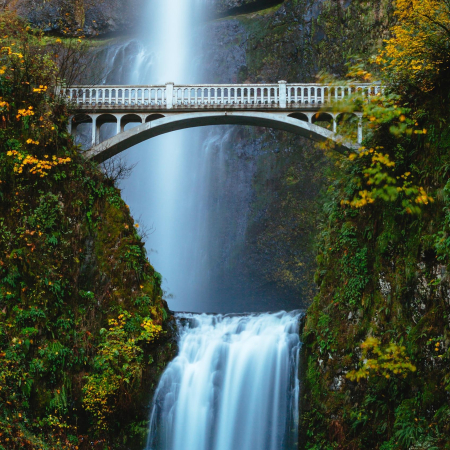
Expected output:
{"points": [[117, 169]]}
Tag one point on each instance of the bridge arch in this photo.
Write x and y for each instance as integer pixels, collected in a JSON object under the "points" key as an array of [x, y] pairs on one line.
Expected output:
{"points": [[178, 121], [152, 117]]}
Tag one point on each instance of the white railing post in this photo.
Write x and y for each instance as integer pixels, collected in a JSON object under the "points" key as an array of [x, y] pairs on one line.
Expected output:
{"points": [[282, 87], [169, 95]]}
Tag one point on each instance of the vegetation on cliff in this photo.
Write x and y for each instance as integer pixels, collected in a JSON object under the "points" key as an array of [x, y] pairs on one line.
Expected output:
{"points": [[377, 334], [82, 319]]}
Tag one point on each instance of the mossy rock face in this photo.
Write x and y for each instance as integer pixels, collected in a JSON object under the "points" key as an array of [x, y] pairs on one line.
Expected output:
{"points": [[80, 263], [84, 329], [224, 8], [80, 17]]}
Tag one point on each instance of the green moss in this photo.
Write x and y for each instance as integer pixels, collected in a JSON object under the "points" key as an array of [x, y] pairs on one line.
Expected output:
{"points": [[382, 273], [71, 263]]}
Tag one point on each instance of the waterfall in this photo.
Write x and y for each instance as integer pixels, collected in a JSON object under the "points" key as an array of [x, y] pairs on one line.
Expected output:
{"points": [[169, 189], [233, 386]]}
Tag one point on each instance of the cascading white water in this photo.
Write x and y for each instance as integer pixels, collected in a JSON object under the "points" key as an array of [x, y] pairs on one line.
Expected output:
{"points": [[233, 386], [168, 190]]}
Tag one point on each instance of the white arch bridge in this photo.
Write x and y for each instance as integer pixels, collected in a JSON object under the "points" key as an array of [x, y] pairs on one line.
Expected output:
{"points": [[156, 110]]}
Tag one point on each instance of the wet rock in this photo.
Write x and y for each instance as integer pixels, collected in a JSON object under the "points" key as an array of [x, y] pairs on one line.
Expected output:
{"points": [[81, 17]]}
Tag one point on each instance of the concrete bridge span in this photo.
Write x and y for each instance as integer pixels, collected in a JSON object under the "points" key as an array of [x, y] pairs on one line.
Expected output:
{"points": [[156, 110]]}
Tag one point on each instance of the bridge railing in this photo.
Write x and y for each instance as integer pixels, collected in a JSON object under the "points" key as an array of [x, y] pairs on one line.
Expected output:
{"points": [[169, 96]]}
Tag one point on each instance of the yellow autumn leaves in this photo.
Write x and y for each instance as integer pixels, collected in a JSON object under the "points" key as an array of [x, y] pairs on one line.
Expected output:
{"points": [[36, 165], [25, 113], [419, 40], [386, 186], [385, 361], [119, 363]]}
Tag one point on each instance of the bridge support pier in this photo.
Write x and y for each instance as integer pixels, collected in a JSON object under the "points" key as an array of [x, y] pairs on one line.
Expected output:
{"points": [[94, 130], [360, 128], [69, 125], [310, 117]]}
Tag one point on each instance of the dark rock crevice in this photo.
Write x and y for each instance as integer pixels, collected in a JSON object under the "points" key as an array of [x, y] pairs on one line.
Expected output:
{"points": [[245, 7]]}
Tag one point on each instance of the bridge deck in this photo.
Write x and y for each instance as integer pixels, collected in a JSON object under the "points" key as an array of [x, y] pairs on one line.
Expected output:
{"points": [[271, 97], [165, 108]]}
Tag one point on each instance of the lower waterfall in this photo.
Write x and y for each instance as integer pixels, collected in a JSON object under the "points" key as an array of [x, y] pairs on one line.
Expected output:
{"points": [[233, 386]]}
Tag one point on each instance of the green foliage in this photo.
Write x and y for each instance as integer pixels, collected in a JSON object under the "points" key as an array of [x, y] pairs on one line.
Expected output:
{"points": [[70, 263], [387, 360], [117, 367], [383, 264]]}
